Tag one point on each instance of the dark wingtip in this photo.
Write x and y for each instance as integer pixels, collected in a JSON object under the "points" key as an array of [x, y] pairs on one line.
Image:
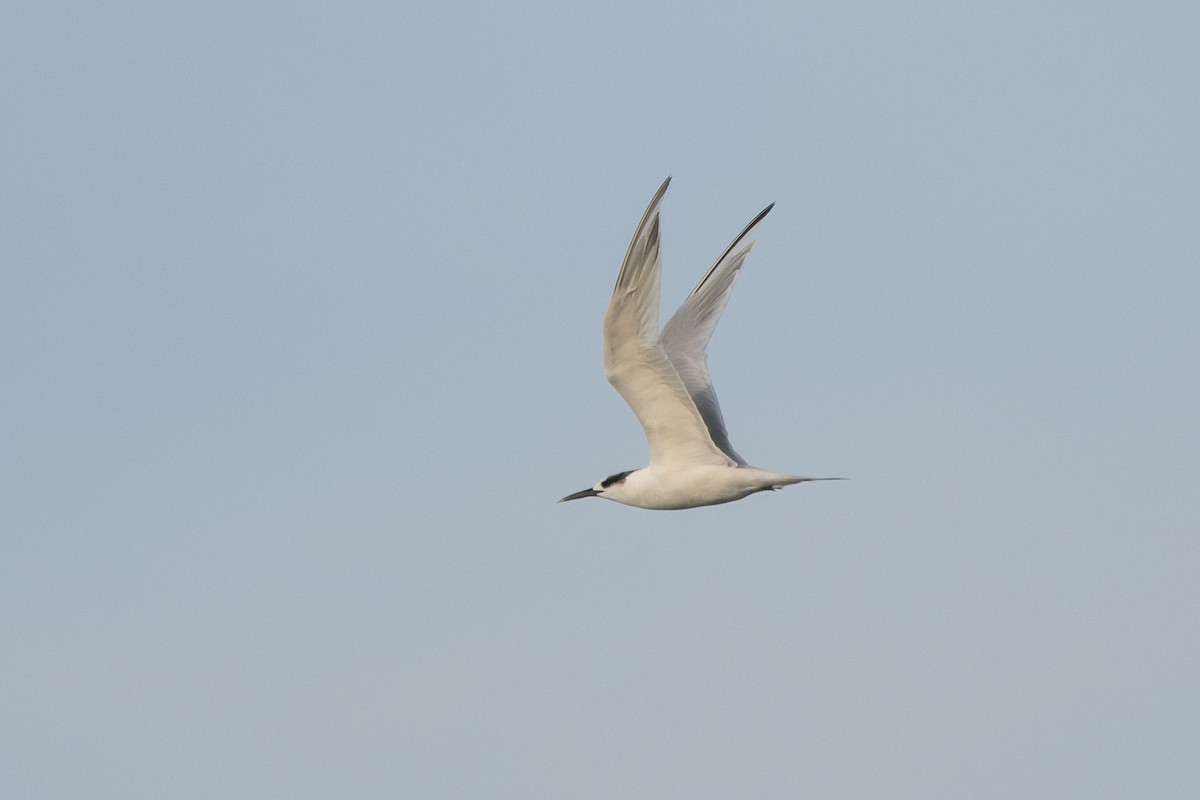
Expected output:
{"points": [[760, 216]]}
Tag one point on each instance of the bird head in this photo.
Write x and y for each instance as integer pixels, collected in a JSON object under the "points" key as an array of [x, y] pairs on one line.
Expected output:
{"points": [[601, 488]]}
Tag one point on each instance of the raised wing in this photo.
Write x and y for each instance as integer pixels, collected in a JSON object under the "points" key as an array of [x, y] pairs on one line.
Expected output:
{"points": [[637, 365], [687, 333]]}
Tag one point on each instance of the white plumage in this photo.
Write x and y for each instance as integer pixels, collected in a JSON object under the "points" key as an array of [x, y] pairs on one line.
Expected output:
{"points": [[663, 376]]}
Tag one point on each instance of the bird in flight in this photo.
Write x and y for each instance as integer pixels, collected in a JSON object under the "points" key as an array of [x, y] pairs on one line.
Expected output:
{"points": [[663, 376]]}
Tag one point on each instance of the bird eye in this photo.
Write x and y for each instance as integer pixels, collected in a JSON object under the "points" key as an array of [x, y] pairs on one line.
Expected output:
{"points": [[614, 479]]}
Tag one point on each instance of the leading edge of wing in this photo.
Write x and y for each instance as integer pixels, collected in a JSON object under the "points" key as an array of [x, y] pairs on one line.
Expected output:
{"points": [[686, 335], [637, 365]]}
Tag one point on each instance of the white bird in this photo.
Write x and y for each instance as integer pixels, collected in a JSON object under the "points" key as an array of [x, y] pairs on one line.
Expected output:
{"points": [[664, 379]]}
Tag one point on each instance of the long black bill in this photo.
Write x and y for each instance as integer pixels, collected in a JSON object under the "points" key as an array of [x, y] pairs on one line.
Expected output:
{"points": [[578, 495]]}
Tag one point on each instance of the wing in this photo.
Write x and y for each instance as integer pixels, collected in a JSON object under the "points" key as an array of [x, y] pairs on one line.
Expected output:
{"points": [[687, 333], [637, 365]]}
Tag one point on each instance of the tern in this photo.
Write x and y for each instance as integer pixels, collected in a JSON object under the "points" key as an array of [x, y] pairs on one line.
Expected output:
{"points": [[663, 376]]}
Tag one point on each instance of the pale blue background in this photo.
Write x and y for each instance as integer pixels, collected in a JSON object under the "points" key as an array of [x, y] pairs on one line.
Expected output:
{"points": [[300, 317]]}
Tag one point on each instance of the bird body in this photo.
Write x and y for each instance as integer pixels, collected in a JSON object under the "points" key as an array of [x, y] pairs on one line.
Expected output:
{"points": [[671, 489], [664, 378]]}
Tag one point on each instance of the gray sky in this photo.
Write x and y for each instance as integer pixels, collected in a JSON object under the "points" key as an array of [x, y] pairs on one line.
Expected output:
{"points": [[300, 336]]}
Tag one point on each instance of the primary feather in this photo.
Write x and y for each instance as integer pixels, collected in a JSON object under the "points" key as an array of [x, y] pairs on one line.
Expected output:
{"points": [[687, 333], [637, 364]]}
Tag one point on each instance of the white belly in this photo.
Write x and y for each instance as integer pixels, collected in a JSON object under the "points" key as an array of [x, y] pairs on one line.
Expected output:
{"points": [[705, 485]]}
